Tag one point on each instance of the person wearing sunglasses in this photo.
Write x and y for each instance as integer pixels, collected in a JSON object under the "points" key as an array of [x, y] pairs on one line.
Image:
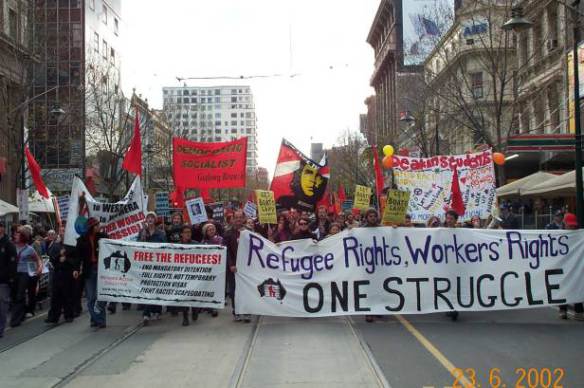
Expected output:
{"points": [[303, 230]]}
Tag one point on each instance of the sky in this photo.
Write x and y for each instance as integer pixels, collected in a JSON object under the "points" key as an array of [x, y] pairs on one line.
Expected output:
{"points": [[322, 41]]}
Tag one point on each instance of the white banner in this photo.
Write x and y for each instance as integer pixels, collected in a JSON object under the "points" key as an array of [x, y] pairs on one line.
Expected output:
{"points": [[120, 220], [429, 182], [409, 271], [162, 274]]}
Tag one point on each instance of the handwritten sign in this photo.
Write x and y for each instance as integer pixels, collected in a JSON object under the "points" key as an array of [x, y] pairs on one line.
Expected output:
{"points": [[396, 207], [362, 197], [266, 206]]}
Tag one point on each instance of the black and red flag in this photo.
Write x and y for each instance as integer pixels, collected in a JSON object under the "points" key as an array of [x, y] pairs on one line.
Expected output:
{"points": [[299, 182]]}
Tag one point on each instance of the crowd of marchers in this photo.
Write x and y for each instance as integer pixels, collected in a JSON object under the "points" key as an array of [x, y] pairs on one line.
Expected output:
{"points": [[73, 271]]}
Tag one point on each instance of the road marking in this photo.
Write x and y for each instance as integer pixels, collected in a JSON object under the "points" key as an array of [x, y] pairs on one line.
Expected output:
{"points": [[241, 367], [433, 350], [371, 362]]}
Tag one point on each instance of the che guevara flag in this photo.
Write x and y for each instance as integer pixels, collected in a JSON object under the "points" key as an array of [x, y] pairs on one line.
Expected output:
{"points": [[202, 166], [299, 182]]}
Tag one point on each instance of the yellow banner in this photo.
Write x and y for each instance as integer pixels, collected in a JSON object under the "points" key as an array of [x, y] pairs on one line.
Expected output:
{"points": [[396, 207], [266, 207], [362, 197]]}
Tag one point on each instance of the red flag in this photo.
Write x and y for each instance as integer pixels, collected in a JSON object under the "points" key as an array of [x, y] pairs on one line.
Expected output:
{"points": [[133, 158], [35, 172], [378, 173], [177, 198], [341, 194], [456, 201]]}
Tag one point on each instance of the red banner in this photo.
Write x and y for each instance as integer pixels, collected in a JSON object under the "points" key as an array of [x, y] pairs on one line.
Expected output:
{"points": [[209, 165]]}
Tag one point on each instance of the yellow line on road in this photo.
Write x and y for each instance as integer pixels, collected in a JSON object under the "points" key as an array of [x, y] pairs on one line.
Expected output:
{"points": [[434, 351]]}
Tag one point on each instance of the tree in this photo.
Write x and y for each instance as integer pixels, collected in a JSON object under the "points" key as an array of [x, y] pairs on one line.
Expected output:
{"points": [[350, 162]]}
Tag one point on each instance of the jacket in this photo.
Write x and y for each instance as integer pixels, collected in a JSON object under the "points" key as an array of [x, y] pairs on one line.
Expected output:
{"points": [[231, 241], [83, 253], [7, 261]]}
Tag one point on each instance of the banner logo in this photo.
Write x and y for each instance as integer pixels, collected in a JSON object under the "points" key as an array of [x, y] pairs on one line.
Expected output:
{"points": [[272, 289]]}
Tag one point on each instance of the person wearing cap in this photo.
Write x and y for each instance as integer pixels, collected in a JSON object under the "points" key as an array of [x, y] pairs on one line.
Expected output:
{"points": [[150, 233], [7, 274], [570, 222], [558, 221], [87, 254]]}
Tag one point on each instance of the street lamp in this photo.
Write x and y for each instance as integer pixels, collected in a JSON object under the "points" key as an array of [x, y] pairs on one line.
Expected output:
{"points": [[519, 23]]}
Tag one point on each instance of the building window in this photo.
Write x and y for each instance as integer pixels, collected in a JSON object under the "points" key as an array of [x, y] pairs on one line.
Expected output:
{"points": [[234, 115], [96, 42], [217, 92], [116, 26], [12, 23], [476, 80], [92, 5], [104, 49], [104, 14], [113, 55], [234, 122]]}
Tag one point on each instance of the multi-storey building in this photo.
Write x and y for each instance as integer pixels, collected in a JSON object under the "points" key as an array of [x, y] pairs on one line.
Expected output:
{"points": [[545, 99], [469, 78], [214, 114], [79, 49], [384, 37], [15, 61]]}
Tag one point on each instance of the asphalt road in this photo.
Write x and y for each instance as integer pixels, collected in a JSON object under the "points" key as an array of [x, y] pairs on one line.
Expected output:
{"points": [[398, 351]]}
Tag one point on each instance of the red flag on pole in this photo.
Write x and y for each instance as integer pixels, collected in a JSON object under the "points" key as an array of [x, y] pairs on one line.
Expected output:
{"points": [[456, 201], [206, 195], [133, 158], [341, 193], [35, 172], [378, 173]]}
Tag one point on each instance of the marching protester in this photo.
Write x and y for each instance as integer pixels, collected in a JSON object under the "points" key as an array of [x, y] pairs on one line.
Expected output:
{"points": [[231, 240], [282, 232], [8, 266], [557, 222], [29, 268], [87, 252], [433, 222], [210, 235], [350, 221], [64, 273], [173, 235], [450, 221], [371, 221], [303, 230], [570, 222], [320, 226], [186, 238], [151, 233], [334, 229]]}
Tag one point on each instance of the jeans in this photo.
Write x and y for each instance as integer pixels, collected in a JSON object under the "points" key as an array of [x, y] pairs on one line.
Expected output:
{"points": [[96, 309], [4, 306], [578, 308]]}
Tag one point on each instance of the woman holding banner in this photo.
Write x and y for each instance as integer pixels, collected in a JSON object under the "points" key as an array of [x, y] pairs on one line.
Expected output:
{"points": [[151, 233]]}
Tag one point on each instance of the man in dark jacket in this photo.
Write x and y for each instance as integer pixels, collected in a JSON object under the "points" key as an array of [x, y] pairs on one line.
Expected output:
{"points": [[64, 274], [7, 274], [87, 254], [303, 230], [231, 240], [321, 226]]}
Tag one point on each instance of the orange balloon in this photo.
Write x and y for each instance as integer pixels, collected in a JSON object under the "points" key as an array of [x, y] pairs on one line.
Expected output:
{"points": [[499, 158], [387, 162]]}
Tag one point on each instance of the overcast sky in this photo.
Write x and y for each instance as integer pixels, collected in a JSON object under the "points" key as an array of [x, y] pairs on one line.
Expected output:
{"points": [[321, 40]]}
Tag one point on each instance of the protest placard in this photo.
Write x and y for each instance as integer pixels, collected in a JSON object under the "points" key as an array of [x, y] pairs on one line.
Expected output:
{"points": [[196, 210], [266, 206], [162, 274], [396, 207], [389, 270], [362, 197], [250, 209]]}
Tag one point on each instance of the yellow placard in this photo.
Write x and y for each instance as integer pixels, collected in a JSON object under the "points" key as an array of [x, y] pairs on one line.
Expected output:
{"points": [[266, 207], [396, 207], [362, 197]]}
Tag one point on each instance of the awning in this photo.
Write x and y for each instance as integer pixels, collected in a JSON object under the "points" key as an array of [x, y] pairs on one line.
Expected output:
{"points": [[6, 208], [519, 186], [563, 185]]}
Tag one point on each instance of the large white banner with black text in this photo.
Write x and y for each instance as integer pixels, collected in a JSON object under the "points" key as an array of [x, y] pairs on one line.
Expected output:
{"points": [[409, 270], [161, 273]]}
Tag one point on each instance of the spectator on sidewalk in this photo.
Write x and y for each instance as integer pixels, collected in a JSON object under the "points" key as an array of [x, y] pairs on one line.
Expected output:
{"points": [[87, 252], [558, 221], [29, 267], [508, 219], [7, 275], [570, 222]]}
